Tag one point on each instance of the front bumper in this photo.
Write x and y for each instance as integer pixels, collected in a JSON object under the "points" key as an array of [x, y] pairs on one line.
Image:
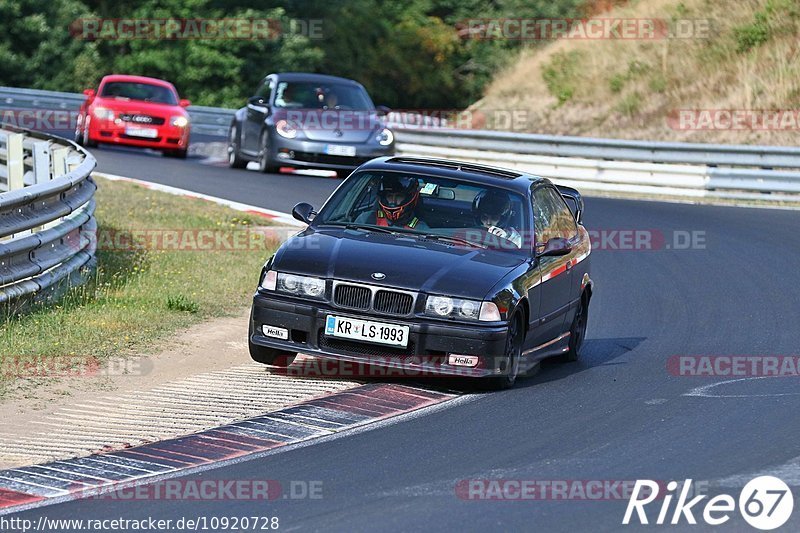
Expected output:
{"points": [[169, 137], [430, 341], [299, 153]]}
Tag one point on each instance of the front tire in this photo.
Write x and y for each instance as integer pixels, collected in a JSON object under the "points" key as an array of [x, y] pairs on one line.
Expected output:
{"points": [[265, 163], [513, 352], [270, 356], [234, 157], [79, 133], [87, 142]]}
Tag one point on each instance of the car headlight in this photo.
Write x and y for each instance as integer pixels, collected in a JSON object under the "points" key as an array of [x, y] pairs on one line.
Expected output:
{"points": [[446, 307], [270, 280], [385, 137], [286, 129], [179, 121], [293, 284], [103, 113]]}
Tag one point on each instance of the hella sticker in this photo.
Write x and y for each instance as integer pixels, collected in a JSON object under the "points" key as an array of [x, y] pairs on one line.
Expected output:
{"points": [[272, 331], [462, 360]]}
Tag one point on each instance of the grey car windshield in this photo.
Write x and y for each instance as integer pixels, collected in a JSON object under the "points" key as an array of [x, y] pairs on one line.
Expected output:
{"points": [[469, 213], [313, 95]]}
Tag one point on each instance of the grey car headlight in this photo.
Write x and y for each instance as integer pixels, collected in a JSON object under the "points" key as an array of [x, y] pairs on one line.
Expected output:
{"points": [[447, 307], [286, 129], [385, 137]]}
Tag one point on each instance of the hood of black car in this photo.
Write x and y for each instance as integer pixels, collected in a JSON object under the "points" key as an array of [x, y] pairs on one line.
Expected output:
{"points": [[406, 261]]}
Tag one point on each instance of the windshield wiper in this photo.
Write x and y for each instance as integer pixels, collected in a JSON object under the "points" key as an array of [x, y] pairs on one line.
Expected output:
{"points": [[368, 227], [453, 239]]}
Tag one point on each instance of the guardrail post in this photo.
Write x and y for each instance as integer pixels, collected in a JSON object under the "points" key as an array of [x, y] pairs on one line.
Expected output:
{"points": [[59, 157], [41, 162], [15, 164]]}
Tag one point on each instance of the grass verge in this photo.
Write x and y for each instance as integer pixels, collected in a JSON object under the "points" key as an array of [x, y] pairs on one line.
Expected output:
{"points": [[152, 280]]}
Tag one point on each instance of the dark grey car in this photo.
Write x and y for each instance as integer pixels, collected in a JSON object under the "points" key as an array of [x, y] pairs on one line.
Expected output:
{"points": [[305, 120]]}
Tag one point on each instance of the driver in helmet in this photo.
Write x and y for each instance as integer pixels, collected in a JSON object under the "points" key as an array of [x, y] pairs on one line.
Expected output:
{"points": [[492, 210], [398, 198]]}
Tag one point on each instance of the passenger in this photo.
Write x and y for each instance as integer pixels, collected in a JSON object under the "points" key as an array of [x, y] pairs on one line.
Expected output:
{"points": [[492, 210]]}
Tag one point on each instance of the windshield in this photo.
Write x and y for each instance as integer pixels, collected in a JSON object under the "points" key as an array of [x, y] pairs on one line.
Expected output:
{"points": [[144, 92], [314, 95], [459, 212]]}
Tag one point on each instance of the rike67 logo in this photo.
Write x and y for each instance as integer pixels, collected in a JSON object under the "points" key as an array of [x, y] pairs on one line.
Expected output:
{"points": [[765, 503]]}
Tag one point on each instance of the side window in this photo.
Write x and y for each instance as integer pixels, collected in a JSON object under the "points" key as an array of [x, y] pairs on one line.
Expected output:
{"points": [[552, 217], [265, 89]]}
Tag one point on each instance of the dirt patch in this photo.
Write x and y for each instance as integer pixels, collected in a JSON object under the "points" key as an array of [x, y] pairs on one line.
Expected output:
{"points": [[202, 378], [216, 344]]}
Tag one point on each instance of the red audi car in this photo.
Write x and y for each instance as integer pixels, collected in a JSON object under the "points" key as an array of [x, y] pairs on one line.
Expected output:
{"points": [[134, 111]]}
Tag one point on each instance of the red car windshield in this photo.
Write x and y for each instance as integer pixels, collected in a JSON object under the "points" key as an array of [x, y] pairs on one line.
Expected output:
{"points": [[145, 92]]}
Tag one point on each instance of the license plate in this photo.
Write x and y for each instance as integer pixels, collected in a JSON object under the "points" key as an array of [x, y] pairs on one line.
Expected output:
{"points": [[147, 133], [339, 149], [366, 330]]}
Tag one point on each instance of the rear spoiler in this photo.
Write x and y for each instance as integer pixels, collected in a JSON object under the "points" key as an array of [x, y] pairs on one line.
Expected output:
{"points": [[574, 201]]}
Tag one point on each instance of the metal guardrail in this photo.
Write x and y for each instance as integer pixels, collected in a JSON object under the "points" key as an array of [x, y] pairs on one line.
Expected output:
{"points": [[47, 225], [652, 168], [213, 121], [606, 149], [650, 179]]}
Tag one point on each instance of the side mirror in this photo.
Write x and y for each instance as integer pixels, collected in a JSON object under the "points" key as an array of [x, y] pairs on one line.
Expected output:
{"points": [[184, 102], [258, 103], [556, 246], [89, 92], [303, 212], [383, 110]]}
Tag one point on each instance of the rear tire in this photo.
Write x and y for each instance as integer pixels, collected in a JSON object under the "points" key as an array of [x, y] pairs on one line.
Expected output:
{"points": [[234, 157], [577, 332], [270, 356], [513, 352]]}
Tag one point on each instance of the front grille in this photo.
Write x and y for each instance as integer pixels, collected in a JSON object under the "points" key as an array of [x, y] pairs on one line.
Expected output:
{"points": [[393, 303], [352, 296], [137, 138], [142, 119], [325, 159], [359, 348], [371, 298]]}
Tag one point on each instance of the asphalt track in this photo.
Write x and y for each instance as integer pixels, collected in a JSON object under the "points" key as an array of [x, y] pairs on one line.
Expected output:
{"points": [[618, 414]]}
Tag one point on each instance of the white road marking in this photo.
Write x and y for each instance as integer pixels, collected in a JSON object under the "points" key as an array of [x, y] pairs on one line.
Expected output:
{"points": [[703, 391]]}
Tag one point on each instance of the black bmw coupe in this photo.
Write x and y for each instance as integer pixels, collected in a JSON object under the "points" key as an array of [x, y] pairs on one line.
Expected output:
{"points": [[433, 266]]}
